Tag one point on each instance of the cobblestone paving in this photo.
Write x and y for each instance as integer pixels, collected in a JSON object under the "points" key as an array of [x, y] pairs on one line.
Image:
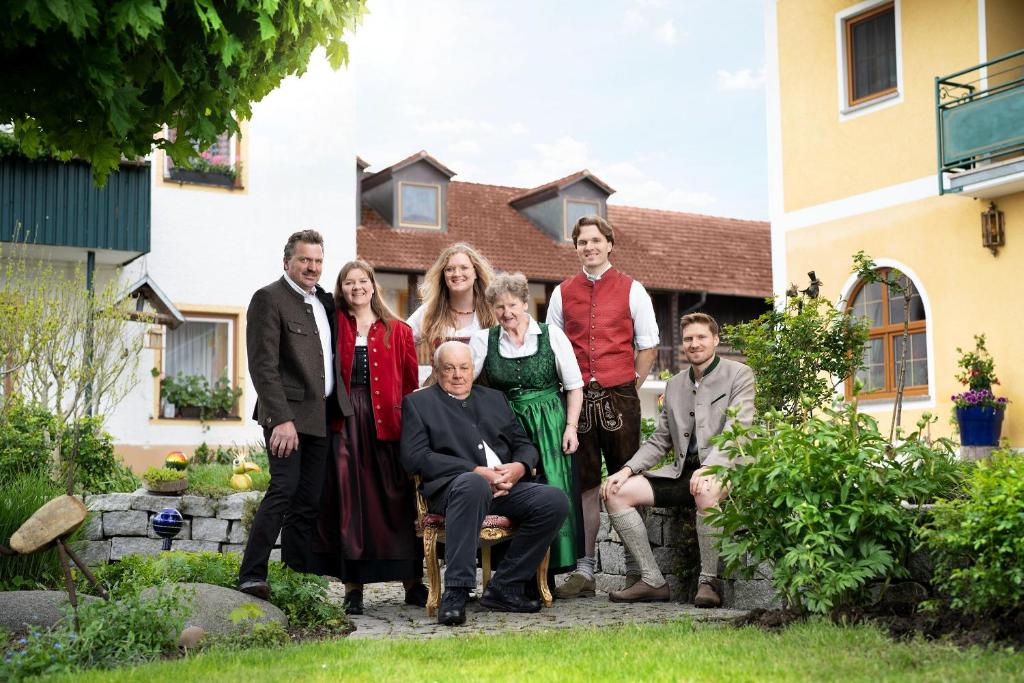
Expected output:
{"points": [[386, 615]]}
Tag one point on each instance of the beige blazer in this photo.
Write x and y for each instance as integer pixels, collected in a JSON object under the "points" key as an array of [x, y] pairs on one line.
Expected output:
{"points": [[701, 408]]}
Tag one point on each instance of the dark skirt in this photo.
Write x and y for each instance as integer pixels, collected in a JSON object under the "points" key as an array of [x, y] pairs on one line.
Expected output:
{"points": [[368, 510]]}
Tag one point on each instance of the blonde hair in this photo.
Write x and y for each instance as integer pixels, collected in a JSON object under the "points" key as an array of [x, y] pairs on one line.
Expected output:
{"points": [[438, 316], [377, 304]]}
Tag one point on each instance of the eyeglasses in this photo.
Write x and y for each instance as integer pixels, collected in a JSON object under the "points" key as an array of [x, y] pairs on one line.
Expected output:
{"points": [[451, 270]]}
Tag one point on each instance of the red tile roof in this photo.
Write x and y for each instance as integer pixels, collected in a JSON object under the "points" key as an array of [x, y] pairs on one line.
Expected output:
{"points": [[559, 184], [665, 250]]}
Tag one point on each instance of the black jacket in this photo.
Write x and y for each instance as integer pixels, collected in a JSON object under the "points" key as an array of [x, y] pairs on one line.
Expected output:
{"points": [[442, 437]]}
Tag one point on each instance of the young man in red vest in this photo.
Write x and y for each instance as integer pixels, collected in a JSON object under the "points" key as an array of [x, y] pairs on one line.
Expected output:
{"points": [[610, 321]]}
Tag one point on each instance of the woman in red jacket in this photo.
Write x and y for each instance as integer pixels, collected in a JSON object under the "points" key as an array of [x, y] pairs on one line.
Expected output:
{"points": [[368, 513]]}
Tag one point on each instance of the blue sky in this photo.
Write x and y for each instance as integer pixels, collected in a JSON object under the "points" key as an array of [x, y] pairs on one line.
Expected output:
{"points": [[662, 100]]}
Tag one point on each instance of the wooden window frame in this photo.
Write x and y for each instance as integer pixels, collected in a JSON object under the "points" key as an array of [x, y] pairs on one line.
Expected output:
{"points": [[848, 24], [566, 227], [888, 333], [414, 224]]}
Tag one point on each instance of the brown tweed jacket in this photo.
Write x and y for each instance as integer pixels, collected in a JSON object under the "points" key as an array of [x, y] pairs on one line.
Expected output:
{"points": [[286, 360]]}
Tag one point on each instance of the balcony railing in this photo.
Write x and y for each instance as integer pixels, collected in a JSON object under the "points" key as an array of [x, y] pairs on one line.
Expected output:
{"points": [[980, 122], [54, 203]]}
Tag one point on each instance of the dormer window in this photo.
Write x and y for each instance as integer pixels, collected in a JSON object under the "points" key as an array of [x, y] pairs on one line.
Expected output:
{"points": [[419, 205], [576, 209]]}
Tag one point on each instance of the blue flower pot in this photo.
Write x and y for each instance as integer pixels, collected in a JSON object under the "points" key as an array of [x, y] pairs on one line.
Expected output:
{"points": [[979, 425]]}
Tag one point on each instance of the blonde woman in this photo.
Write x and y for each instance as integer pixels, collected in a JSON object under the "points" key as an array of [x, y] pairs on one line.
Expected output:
{"points": [[454, 302]]}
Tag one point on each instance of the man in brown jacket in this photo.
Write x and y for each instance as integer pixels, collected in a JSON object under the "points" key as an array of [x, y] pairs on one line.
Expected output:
{"points": [[290, 339], [696, 405]]}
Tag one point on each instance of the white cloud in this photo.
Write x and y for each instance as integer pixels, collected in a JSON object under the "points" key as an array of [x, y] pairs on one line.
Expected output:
{"points": [[634, 21], [459, 126], [741, 79], [666, 33], [518, 128], [470, 148]]}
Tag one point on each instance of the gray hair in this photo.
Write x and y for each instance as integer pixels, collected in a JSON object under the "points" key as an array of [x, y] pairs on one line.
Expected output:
{"points": [[514, 284], [452, 344], [307, 236]]}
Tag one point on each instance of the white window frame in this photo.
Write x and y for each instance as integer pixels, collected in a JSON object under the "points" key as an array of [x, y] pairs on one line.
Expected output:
{"points": [[197, 318], [566, 226], [846, 110], [415, 224]]}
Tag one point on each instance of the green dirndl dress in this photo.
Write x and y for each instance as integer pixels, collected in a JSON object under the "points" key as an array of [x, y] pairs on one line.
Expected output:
{"points": [[531, 384]]}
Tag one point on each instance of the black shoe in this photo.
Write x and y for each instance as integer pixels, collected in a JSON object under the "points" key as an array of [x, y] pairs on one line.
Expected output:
{"points": [[502, 601], [416, 596], [452, 611], [354, 602], [255, 588]]}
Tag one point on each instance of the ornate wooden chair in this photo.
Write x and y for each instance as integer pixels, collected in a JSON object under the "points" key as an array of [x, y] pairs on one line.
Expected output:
{"points": [[495, 529]]}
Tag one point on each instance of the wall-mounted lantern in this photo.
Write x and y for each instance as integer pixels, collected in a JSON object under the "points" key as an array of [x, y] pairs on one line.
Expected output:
{"points": [[993, 227]]}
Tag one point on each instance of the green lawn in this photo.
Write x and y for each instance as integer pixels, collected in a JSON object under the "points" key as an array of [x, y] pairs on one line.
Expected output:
{"points": [[679, 651]]}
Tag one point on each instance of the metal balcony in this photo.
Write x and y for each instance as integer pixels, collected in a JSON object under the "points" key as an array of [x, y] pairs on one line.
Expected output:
{"points": [[980, 123]]}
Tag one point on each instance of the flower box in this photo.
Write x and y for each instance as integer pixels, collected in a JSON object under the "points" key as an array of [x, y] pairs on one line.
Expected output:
{"points": [[184, 175]]}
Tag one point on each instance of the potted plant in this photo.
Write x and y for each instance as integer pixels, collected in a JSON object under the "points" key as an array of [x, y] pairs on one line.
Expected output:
{"points": [[222, 397], [978, 412], [165, 480], [188, 393]]}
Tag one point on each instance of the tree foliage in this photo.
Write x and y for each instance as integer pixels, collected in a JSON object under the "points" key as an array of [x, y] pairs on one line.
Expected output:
{"points": [[799, 353], [98, 80]]}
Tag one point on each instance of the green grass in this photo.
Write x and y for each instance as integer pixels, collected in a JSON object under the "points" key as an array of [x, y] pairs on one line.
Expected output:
{"points": [[679, 651], [212, 480]]}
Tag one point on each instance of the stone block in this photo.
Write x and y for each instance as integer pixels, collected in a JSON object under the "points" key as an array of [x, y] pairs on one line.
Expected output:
{"points": [[209, 529], [750, 594], [232, 507], [605, 529], [198, 506], [606, 583], [679, 531], [183, 535], [107, 502], [125, 523], [921, 566], [92, 529], [121, 546], [611, 558], [668, 559], [232, 548], [275, 554], [655, 524], [93, 553], [237, 534], [152, 502], [194, 546]]}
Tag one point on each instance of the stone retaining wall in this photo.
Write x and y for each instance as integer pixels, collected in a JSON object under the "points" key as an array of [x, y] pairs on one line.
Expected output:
{"points": [[674, 541], [121, 524]]}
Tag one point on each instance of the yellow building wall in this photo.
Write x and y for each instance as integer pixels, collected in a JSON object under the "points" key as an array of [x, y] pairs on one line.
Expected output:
{"points": [[969, 291], [1004, 24], [823, 158]]}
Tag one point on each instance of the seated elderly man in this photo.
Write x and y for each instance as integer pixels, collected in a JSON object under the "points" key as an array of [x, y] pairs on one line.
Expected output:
{"points": [[475, 460]]}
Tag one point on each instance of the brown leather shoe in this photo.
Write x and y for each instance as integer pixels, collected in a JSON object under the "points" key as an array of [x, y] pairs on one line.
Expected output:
{"points": [[641, 591], [707, 596], [631, 579]]}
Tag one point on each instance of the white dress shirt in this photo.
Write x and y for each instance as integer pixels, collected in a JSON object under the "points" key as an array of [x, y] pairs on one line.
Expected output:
{"points": [[415, 321], [565, 360], [645, 325], [323, 326]]}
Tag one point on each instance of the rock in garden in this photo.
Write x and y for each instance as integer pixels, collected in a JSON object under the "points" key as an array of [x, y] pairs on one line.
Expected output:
{"points": [[20, 610], [211, 607], [190, 637], [60, 516]]}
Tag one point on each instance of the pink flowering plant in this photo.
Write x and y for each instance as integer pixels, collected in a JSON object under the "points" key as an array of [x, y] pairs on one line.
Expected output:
{"points": [[977, 373]]}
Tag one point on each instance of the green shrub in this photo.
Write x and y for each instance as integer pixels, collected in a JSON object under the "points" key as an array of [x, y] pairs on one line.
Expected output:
{"points": [[24, 445], [822, 500], [212, 480], [977, 541], [97, 468], [302, 597], [122, 631], [23, 495], [155, 475]]}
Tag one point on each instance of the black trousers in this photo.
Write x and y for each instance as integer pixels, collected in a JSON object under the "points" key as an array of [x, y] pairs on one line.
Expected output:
{"points": [[538, 509], [290, 507]]}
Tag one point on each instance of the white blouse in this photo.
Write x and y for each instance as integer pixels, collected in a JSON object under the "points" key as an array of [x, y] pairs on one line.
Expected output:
{"points": [[565, 360], [415, 321]]}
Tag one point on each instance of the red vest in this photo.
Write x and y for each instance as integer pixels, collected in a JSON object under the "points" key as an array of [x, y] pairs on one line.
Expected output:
{"points": [[600, 326]]}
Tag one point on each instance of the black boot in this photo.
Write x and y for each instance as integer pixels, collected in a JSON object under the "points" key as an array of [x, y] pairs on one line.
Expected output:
{"points": [[452, 611]]}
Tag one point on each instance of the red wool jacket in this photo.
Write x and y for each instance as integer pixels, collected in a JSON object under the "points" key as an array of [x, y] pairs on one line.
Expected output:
{"points": [[393, 370]]}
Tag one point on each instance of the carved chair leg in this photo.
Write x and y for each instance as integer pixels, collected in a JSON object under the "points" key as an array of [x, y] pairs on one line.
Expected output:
{"points": [[485, 563], [433, 571], [542, 580]]}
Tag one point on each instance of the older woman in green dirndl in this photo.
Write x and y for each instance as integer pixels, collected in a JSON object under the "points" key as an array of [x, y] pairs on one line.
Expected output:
{"points": [[534, 365]]}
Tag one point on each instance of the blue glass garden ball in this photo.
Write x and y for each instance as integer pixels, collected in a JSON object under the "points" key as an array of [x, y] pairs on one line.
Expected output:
{"points": [[167, 523]]}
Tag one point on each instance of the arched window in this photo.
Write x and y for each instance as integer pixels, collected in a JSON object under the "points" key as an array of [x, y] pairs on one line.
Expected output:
{"points": [[884, 312]]}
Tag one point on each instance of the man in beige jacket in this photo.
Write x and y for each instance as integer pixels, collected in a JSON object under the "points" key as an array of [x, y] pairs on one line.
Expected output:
{"points": [[696, 405]]}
